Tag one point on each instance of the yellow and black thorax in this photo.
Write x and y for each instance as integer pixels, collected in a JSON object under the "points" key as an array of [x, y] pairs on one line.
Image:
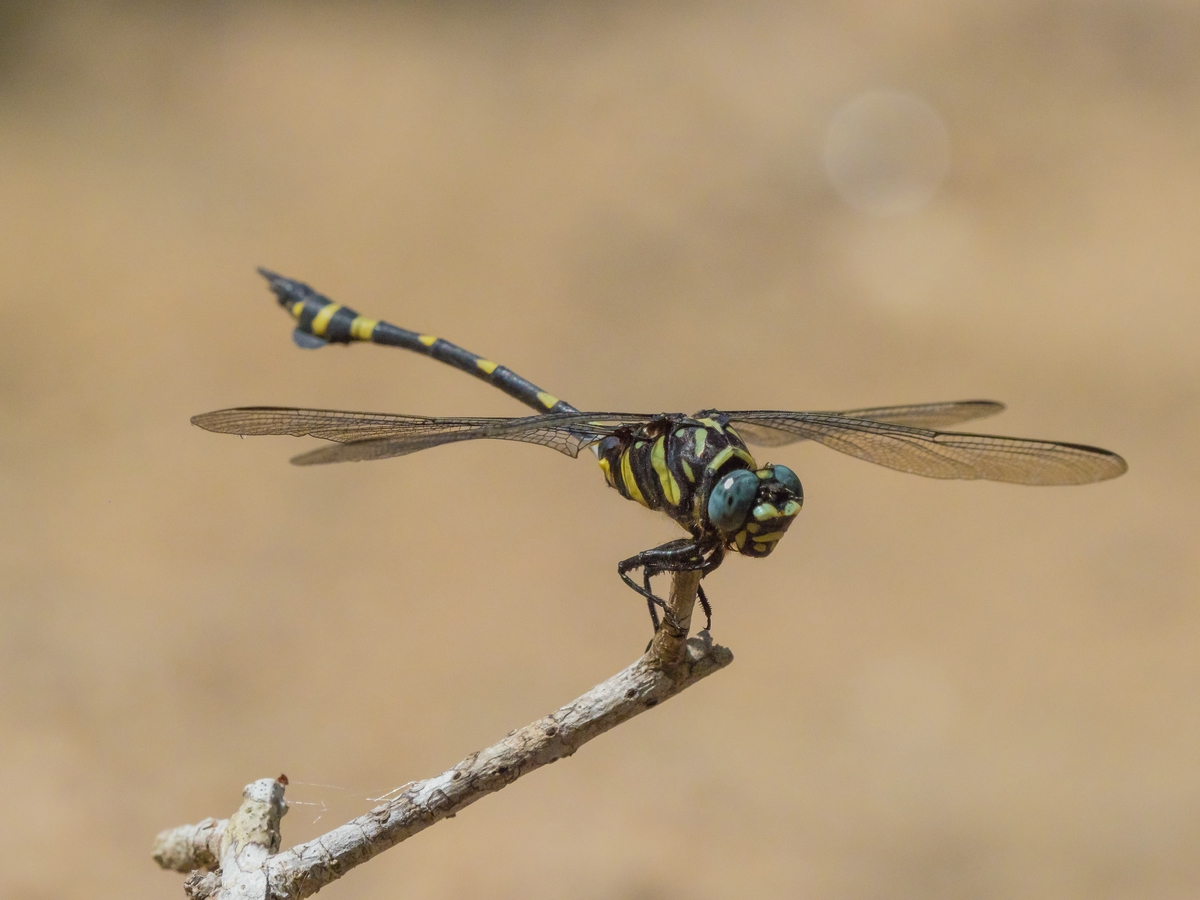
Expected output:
{"points": [[671, 463]]}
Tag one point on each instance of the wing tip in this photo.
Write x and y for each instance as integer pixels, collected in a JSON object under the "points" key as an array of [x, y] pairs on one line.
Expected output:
{"points": [[992, 406], [225, 421], [1119, 465], [1098, 465], [305, 459], [1104, 465], [207, 421]]}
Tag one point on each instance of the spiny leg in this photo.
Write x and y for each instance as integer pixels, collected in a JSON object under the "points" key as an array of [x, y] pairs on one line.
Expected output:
{"points": [[706, 606], [650, 603], [634, 562], [714, 558], [674, 556]]}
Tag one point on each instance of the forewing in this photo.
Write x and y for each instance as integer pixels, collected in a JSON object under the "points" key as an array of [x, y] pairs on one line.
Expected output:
{"points": [[365, 436], [916, 415], [926, 415], [328, 424], [942, 454], [565, 439]]}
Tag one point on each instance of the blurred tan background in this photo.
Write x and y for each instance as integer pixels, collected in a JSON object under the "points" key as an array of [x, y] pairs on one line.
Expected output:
{"points": [[942, 690]]}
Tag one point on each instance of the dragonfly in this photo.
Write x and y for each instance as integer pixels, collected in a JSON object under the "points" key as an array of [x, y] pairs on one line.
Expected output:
{"points": [[697, 469]]}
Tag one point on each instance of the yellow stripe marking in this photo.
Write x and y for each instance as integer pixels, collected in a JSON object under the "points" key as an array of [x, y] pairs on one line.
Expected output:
{"points": [[427, 339], [547, 400], [720, 459], [766, 511], [701, 437], [740, 540], [658, 459], [687, 470], [607, 469], [713, 424], [631, 485], [768, 538], [362, 328], [729, 430], [742, 454], [321, 319], [753, 528], [486, 366], [297, 308], [760, 548]]}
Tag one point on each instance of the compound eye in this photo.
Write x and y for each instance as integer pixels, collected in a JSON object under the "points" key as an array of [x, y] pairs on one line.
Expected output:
{"points": [[789, 480], [731, 499]]}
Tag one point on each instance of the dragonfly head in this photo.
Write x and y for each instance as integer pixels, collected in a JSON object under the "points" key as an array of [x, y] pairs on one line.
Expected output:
{"points": [[753, 509]]}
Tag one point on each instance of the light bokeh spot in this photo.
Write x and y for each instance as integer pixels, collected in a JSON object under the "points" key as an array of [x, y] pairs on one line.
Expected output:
{"points": [[887, 152]]}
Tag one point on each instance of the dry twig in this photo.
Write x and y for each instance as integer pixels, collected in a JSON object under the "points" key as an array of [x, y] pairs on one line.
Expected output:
{"points": [[239, 857]]}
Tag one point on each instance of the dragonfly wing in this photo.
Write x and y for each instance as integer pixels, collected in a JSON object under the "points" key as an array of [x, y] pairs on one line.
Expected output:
{"points": [[764, 435], [328, 424], [927, 415], [564, 439], [942, 454], [761, 435], [916, 415], [365, 436], [381, 448]]}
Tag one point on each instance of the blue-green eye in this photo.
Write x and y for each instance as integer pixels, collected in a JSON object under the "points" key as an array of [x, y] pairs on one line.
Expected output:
{"points": [[731, 499], [789, 480]]}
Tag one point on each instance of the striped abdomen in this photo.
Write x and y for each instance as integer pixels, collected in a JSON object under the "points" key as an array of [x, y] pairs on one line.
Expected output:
{"points": [[319, 321]]}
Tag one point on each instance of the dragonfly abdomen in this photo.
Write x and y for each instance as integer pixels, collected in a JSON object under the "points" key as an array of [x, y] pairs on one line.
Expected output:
{"points": [[321, 321]]}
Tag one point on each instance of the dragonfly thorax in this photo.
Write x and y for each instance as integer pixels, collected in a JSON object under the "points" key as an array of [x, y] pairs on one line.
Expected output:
{"points": [[678, 464]]}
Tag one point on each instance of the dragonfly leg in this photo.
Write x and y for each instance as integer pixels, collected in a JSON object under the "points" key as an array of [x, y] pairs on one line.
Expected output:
{"points": [[706, 606], [674, 556], [650, 603], [712, 559]]}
